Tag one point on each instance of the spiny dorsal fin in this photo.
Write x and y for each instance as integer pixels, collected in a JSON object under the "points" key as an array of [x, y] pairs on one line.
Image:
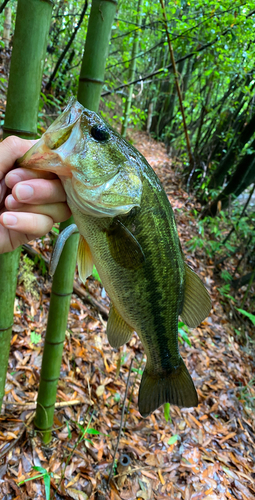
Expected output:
{"points": [[176, 388], [197, 302], [118, 331], [124, 247], [84, 259]]}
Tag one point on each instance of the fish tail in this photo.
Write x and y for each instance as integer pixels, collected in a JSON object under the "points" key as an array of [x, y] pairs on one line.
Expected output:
{"points": [[176, 387]]}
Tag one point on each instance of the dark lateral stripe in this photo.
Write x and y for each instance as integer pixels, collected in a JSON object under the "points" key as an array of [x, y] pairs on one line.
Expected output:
{"points": [[153, 280]]}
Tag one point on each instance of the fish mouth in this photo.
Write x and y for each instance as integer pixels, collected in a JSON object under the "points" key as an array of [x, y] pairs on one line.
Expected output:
{"points": [[39, 157], [52, 149]]}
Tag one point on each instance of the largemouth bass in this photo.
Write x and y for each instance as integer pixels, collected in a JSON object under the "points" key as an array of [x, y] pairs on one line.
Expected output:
{"points": [[127, 228]]}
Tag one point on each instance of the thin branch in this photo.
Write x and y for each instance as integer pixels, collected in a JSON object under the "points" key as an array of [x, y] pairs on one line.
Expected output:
{"points": [[121, 422], [169, 66], [191, 161], [3, 5], [61, 58], [81, 292]]}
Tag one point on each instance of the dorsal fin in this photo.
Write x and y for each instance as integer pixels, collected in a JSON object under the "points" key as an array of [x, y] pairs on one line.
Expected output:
{"points": [[197, 302]]}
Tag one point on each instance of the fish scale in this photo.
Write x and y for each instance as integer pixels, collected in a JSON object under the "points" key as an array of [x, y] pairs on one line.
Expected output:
{"points": [[127, 228]]}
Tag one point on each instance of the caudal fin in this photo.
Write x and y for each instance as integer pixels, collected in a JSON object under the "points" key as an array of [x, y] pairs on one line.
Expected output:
{"points": [[176, 388]]}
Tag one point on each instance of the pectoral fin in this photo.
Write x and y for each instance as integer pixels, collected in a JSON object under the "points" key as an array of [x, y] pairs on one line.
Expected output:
{"points": [[197, 301], [124, 247], [118, 331], [84, 259]]}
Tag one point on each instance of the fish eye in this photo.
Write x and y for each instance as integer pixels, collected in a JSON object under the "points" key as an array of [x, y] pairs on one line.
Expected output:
{"points": [[100, 133]]}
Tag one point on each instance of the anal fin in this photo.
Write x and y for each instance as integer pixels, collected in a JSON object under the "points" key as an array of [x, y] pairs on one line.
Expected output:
{"points": [[197, 302], [118, 331], [84, 259], [176, 388]]}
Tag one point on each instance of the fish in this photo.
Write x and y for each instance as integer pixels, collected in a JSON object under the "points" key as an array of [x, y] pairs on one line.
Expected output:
{"points": [[127, 229]]}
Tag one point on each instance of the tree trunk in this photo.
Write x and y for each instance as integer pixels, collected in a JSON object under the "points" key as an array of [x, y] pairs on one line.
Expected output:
{"points": [[91, 81], [29, 48]]}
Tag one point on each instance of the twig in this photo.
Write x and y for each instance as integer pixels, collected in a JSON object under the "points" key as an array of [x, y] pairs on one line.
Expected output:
{"points": [[121, 421], [32, 405], [14, 442], [3, 5], [62, 56], [76, 288], [234, 228]]}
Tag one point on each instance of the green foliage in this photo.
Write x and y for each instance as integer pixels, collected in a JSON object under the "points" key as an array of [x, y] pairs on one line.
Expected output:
{"points": [[45, 475], [26, 276], [248, 315], [167, 412], [183, 332], [40, 263], [95, 274], [35, 337], [173, 439]]}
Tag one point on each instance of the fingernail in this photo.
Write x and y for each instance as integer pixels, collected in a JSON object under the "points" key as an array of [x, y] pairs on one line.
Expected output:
{"points": [[12, 179], [24, 192], [9, 220], [10, 202]]}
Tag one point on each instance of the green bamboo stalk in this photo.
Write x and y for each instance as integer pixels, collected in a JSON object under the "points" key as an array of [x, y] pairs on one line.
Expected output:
{"points": [[9, 264], [96, 50], [90, 85], [131, 72], [29, 49], [62, 289]]}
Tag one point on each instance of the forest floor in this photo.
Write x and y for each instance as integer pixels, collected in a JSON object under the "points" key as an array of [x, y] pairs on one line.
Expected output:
{"points": [[201, 453]]}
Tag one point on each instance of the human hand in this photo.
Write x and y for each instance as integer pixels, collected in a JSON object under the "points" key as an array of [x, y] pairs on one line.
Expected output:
{"points": [[37, 199]]}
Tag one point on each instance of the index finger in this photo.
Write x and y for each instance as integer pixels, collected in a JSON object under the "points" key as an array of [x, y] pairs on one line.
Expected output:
{"points": [[11, 149]]}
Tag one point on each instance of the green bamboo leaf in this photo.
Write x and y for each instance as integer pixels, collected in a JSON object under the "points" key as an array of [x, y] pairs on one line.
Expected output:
{"points": [[167, 412], [46, 480], [93, 431], [173, 439], [42, 470], [89, 441], [249, 315], [184, 336]]}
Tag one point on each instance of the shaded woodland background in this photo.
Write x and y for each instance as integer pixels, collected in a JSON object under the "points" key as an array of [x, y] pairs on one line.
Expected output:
{"points": [[208, 454]]}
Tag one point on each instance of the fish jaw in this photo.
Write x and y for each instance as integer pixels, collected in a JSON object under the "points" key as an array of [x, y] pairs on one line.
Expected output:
{"points": [[40, 157], [52, 150]]}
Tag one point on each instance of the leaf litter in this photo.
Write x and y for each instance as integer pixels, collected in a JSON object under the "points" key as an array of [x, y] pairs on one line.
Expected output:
{"points": [[202, 453]]}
